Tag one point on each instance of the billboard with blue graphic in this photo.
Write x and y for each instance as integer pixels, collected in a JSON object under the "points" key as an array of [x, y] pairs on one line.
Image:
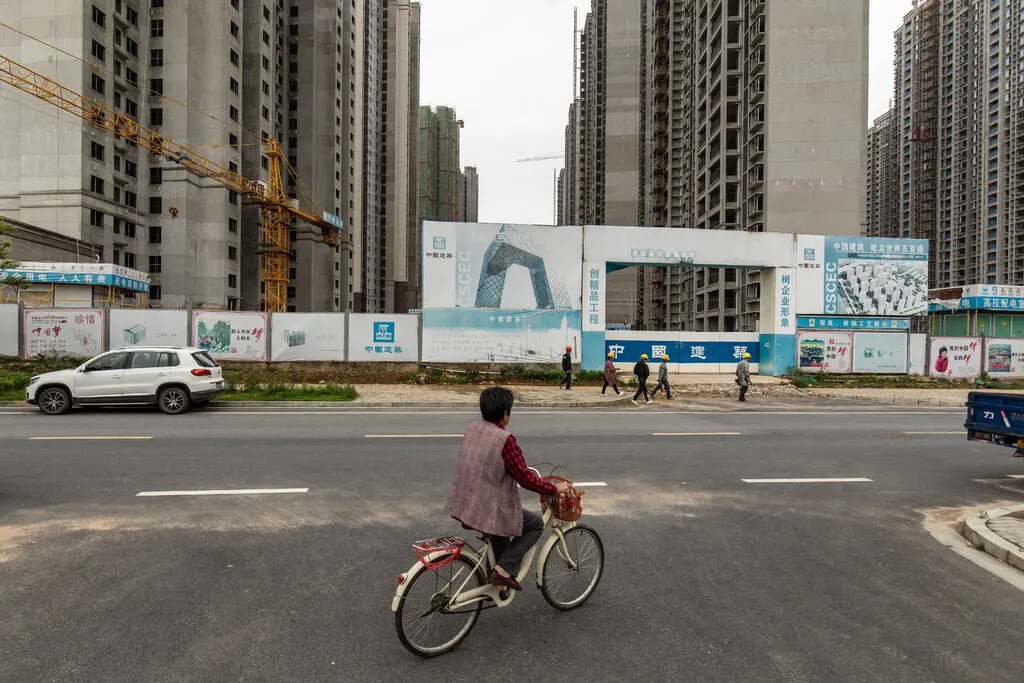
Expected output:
{"points": [[498, 335], [383, 337]]}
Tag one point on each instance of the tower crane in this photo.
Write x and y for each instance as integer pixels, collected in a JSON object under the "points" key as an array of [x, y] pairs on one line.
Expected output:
{"points": [[276, 208], [545, 157]]}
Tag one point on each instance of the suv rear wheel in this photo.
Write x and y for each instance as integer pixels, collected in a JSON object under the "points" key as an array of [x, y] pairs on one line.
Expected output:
{"points": [[174, 400], [54, 400]]}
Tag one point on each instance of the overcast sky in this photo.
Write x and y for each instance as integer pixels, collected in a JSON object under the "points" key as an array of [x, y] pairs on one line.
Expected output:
{"points": [[506, 67]]}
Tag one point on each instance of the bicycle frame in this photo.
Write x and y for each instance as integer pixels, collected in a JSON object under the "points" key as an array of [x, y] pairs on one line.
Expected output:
{"points": [[460, 599]]}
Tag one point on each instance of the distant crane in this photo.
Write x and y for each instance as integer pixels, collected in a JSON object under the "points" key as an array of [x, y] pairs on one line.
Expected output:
{"points": [[554, 181], [546, 157]]}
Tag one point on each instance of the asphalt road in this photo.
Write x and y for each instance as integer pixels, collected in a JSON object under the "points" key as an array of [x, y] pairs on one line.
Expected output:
{"points": [[708, 577]]}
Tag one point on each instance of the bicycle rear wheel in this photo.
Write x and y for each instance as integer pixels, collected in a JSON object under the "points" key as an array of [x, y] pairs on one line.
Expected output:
{"points": [[567, 582], [424, 624]]}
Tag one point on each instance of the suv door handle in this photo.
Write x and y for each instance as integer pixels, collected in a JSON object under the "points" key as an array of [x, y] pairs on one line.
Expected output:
{"points": [[161, 374]]}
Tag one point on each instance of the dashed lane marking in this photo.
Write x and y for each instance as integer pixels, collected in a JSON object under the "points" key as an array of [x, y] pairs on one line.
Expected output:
{"points": [[810, 480], [89, 438], [696, 433], [217, 492], [413, 436]]}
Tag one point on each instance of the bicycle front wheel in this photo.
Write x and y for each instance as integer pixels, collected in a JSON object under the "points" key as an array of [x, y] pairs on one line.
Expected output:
{"points": [[425, 625], [570, 575]]}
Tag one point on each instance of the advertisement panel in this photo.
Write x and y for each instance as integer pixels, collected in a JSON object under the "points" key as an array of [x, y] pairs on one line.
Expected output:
{"points": [[144, 327], [708, 352], [685, 247], [1005, 357], [383, 338], [466, 335], [862, 276], [63, 332], [471, 265], [307, 336], [880, 352], [955, 357], [231, 335], [825, 351], [8, 329], [81, 274]]}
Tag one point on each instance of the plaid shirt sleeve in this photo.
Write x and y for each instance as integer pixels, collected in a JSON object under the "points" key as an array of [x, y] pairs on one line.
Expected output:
{"points": [[515, 464]]}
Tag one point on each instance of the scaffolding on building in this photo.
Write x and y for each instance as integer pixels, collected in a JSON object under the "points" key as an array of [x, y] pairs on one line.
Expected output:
{"points": [[924, 129]]}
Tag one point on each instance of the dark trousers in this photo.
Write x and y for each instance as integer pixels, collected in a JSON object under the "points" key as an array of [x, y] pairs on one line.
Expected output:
{"points": [[641, 390], [743, 391], [510, 552], [613, 385], [662, 385], [567, 382]]}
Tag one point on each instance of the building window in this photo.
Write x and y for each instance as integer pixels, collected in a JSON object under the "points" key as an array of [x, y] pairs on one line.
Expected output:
{"points": [[266, 88], [232, 197], [232, 225], [131, 108], [117, 257], [233, 84], [232, 253], [156, 176], [96, 151], [98, 17], [234, 58], [266, 114], [132, 47], [132, 16], [99, 52], [266, 64], [131, 76], [232, 281], [154, 264], [131, 168], [129, 259], [131, 199], [156, 28], [96, 184], [129, 229], [95, 218], [157, 86], [156, 205], [266, 13], [117, 194], [291, 292], [265, 162], [155, 234], [233, 167], [154, 292], [234, 30], [156, 117], [234, 3], [156, 57], [233, 113], [266, 38], [98, 84], [117, 226], [233, 140]]}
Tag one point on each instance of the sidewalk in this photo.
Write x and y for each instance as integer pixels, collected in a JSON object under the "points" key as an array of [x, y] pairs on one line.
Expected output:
{"points": [[468, 396], [925, 397], [1000, 533]]}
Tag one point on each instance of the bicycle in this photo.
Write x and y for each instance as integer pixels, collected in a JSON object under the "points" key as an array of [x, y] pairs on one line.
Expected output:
{"points": [[461, 588]]}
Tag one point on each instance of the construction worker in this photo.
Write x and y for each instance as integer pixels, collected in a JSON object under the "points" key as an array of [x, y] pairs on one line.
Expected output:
{"points": [[567, 369], [610, 379], [663, 379], [642, 372], [743, 376]]}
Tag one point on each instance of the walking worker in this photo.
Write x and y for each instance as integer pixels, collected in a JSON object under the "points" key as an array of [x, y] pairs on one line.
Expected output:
{"points": [[663, 379], [610, 379], [567, 369], [642, 372], [743, 376]]}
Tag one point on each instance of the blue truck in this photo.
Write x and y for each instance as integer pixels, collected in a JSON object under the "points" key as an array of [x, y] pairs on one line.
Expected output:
{"points": [[996, 419]]}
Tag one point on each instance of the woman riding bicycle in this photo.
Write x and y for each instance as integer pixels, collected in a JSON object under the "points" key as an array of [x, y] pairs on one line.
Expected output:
{"points": [[484, 495]]}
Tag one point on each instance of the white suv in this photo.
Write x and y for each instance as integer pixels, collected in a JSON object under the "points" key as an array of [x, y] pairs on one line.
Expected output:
{"points": [[172, 378]]}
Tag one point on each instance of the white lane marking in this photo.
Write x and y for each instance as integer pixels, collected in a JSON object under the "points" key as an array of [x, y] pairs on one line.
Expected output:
{"points": [[696, 433], [412, 436], [960, 431], [89, 438], [216, 492], [812, 480], [589, 483], [1015, 476], [605, 412]]}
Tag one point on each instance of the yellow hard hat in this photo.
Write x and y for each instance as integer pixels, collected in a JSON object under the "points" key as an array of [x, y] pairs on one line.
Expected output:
{"points": [[643, 356], [665, 357], [746, 355], [611, 354]]}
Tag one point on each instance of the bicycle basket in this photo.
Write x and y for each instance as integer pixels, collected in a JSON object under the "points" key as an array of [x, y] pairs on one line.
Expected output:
{"points": [[450, 545], [568, 508]]}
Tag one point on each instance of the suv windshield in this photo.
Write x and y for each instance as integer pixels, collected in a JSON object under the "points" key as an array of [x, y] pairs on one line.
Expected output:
{"points": [[205, 360]]}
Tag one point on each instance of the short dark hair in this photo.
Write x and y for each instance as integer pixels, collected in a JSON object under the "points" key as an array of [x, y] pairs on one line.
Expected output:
{"points": [[943, 350], [495, 402]]}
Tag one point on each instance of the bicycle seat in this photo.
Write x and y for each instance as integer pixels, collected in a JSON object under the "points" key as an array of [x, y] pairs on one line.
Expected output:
{"points": [[482, 536]]}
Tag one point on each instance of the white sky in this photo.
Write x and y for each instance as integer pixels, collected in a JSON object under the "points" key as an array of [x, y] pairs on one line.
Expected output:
{"points": [[506, 67]]}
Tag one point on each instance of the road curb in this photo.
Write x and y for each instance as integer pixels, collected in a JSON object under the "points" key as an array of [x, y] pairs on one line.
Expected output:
{"points": [[977, 532], [886, 401], [353, 405]]}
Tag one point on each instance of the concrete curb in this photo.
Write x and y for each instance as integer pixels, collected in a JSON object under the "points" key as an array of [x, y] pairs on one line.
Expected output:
{"points": [[977, 532], [357, 405], [885, 400]]}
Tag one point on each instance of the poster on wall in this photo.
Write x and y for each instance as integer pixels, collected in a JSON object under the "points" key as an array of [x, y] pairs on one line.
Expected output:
{"points": [[144, 327], [8, 329], [63, 332], [499, 336], [383, 338], [880, 352], [471, 265], [307, 336], [862, 276], [229, 335], [1005, 357], [955, 357], [824, 351]]}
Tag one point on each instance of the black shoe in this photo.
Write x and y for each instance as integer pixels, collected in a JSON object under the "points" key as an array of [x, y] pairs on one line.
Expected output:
{"points": [[497, 579]]}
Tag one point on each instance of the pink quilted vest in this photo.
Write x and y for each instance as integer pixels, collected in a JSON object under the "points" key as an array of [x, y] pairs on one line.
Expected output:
{"points": [[484, 495]]}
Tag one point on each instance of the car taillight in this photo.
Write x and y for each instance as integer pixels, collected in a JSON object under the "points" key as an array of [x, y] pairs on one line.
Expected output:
{"points": [[201, 372]]}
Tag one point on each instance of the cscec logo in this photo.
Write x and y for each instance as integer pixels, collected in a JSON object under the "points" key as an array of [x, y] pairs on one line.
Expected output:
{"points": [[384, 333]]}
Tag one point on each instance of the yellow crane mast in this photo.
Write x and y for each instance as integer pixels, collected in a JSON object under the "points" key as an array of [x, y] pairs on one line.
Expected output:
{"points": [[276, 207]]}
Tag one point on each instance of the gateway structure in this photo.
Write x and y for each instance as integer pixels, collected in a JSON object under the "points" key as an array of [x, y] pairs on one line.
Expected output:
{"points": [[546, 287]]}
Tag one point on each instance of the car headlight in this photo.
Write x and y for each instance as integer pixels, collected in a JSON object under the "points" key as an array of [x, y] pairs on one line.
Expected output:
{"points": [[33, 380]]}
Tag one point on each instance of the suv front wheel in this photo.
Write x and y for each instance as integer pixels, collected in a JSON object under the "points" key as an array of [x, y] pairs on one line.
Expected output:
{"points": [[54, 400], [174, 400]]}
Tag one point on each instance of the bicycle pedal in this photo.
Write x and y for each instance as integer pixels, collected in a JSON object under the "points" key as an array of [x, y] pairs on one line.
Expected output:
{"points": [[505, 593]]}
